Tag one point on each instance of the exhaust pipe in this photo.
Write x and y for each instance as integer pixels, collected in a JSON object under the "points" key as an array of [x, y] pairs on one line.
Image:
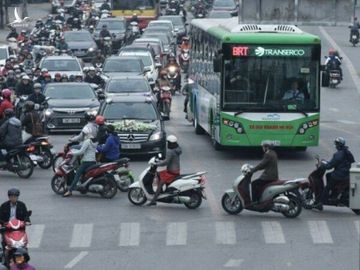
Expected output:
{"points": [[181, 199]]}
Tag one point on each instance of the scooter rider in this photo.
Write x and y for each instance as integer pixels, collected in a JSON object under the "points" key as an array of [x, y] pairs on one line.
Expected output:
{"points": [[341, 163], [91, 125], [333, 61], [5, 103], [172, 163], [21, 259], [354, 28], [37, 97], [269, 164], [105, 6]]}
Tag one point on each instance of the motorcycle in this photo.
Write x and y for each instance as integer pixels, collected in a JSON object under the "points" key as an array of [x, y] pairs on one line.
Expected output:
{"points": [[14, 237], [334, 78], [185, 189], [106, 46], [19, 104], [312, 192], [277, 196], [165, 100], [354, 34], [18, 161], [184, 59], [123, 176], [135, 30], [173, 75], [40, 152], [98, 178]]}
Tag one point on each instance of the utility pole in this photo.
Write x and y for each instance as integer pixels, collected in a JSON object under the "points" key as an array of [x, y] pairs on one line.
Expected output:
{"points": [[24, 12], [6, 11], [1, 14]]}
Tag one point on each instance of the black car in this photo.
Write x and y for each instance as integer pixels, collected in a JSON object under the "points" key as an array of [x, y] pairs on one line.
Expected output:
{"points": [[138, 123], [178, 22], [122, 66], [81, 43], [67, 105]]}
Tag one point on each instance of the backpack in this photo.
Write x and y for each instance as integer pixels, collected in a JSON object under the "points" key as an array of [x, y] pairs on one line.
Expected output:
{"points": [[37, 129], [349, 156]]}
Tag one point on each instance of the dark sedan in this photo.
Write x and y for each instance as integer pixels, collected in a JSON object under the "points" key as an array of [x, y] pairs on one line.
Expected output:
{"points": [[81, 43], [68, 103]]}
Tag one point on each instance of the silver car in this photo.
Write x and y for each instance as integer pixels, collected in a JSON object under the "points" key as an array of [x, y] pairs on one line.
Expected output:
{"points": [[63, 64], [81, 43]]}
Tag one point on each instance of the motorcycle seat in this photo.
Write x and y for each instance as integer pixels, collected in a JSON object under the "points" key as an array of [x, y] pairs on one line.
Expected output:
{"points": [[181, 176], [275, 183], [93, 167], [16, 149], [41, 138]]}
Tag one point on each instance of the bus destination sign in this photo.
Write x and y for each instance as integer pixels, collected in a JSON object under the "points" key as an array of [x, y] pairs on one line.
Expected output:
{"points": [[259, 51]]}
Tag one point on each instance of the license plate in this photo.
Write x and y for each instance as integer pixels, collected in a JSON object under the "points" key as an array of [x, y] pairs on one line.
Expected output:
{"points": [[71, 120], [354, 37], [131, 146]]}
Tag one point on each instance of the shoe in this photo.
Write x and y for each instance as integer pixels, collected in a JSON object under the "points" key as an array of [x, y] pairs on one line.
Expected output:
{"points": [[67, 194], [151, 204], [318, 206]]}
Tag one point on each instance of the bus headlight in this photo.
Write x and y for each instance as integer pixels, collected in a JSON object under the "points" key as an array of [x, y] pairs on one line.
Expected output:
{"points": [[235, 125], [306, 125]]}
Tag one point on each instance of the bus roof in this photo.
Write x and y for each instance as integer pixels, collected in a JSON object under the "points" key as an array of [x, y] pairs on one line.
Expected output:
{"points": [[230, 31]]}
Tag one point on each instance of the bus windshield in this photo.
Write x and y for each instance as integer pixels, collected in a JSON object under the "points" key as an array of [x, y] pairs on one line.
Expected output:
{"points": [[134, 4], [271, 84]]}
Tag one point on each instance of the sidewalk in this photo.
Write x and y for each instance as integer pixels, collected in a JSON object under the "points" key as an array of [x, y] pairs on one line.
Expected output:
{"points": [[35, 11]]}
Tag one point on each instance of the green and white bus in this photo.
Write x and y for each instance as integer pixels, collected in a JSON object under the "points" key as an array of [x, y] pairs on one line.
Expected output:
{"points": [[254, 83]]}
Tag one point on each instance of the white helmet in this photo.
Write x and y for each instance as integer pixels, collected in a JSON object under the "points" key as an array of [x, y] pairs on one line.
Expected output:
{"points": [[171, 139]]}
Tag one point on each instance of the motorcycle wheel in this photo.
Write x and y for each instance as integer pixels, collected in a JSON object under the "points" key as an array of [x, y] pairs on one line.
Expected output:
{"points": [[136, 196], [56, 161], [126, 181], [58, 184], [295, 207], [48, 159], [195, 200], [356, 211], [167, 108], [232, 208], [26, 166], [110, 188], [308, 199]]}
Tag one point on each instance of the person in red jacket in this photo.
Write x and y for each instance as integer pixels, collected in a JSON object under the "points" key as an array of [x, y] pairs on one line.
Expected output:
{"points": [[6, 102]]}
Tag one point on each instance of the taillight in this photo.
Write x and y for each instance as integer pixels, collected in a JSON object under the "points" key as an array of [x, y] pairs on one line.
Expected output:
{"points": [[30, 149], [44, 143]]}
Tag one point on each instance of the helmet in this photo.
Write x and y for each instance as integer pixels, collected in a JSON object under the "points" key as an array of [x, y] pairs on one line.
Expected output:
{"points": [[171, 139], [6, 93], [267, 144], [29, 105], [13, 192], [87, 133], [58, 75], [89, 117], [20, 252], [91, 69], [25, 77], [100, 120], [9, 113], [163, 72], [37, 85], [186, 38], [332, 51], [339, 142]]}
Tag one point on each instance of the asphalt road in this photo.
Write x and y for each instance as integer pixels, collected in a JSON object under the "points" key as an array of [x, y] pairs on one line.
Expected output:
{"points": [[87, 232]]}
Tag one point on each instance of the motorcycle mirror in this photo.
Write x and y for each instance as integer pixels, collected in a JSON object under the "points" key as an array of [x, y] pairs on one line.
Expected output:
{"points": [[159, 155], [47, 98], [317, 157], [29, 213], [158, 65]]}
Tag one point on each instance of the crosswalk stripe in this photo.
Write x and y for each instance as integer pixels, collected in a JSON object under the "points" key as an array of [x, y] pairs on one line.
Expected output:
{"points": [[176, 234], [320, 232], [129, 234], [35, 233], [81, 236], [273, 232], [225, 233], [357, 226]]}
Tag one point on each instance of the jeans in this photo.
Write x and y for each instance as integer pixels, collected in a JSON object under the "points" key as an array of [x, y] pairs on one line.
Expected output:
{"points": [[79, 172]]}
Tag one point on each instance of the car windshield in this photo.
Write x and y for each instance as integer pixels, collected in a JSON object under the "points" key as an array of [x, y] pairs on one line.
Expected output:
{"points": [[127, 85], [271, 84], [163, 38], [215, 14], [61, 65], [176, 20], [130, 110], [122, 65], [111, 25], [71, 36], [224, 3], [3, 53], [145, 58], [158, 25], [65, 91], [145, 41], [134, 4]]}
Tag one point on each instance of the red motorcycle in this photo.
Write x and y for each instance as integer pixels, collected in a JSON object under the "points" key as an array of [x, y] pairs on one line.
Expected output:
{"points": [[184, 59], [14, 237], [98, 178], [165, 100]]}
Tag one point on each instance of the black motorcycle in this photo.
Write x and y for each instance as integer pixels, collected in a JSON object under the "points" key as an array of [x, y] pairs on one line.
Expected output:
{"points": [[354, 36], [18, 161]]}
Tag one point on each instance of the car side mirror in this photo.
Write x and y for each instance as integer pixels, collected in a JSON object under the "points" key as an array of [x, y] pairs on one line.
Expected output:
{"points": [[47, 98], [158, 65], [147, 69]]}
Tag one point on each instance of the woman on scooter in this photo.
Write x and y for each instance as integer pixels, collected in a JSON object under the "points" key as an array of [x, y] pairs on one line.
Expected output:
{"points": [[21, 258], [172, 163]]}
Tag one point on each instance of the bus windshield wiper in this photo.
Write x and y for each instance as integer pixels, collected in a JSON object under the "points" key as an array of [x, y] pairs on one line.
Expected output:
{"points": [[239, 112], [304, 113]]}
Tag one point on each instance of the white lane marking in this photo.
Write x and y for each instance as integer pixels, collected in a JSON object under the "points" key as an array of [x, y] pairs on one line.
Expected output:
{"points": [[273, 232], [234, 263], [225, 233], [77, 259], [176, 234], [320, 232], [81, 236], [334, 109], [357, 226], [347, 61], [35, 233], [346, 122], [129, 234]]}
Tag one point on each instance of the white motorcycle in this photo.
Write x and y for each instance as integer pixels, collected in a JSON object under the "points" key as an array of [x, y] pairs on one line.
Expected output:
{"points": [[185, 189]]}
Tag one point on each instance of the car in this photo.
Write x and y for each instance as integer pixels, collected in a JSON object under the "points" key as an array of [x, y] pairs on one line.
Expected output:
{"points": [[154, 42], [5, 53], [162, 23], [125, 85], [67, 5], [117, 28], [153, 48], [137, 121], [81, 43], [219, 14], [122, 66], [179, 25], [162, 30], [67, 105], [139, 48], [226, 5], [64, 64], [149, 64], [168, 46]]}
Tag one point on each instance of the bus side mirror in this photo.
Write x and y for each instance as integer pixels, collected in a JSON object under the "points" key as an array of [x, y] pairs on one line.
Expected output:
{"points": [[217, 64]]}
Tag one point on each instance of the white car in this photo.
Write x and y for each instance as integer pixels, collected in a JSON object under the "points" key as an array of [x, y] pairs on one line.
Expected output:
{"points": [[4, 54], [63, 64], [148, 62], [164, 23]]}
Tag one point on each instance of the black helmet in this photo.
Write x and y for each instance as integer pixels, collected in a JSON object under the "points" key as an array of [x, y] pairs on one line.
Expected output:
{"points": [[339, 142], [267, 144], [29, 105], [9, 113], [22, 252], [13, 192], [89, 117]]}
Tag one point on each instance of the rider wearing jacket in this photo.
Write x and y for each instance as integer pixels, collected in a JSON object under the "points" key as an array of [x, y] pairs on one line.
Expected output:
{"points": [[111, 148], [172, 163], [6, 102], [91, 125], [333, 61], [21, 259], [13, 208], [269, 164], [37, 97], [24, 87]]}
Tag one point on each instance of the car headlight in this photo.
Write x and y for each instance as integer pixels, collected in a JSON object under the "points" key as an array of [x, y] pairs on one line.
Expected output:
{"points": [[91, 49], [48, 112], [155, 136], [93, 111]]}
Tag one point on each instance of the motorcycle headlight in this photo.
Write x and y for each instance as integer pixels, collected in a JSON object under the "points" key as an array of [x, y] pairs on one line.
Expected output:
{"points": [[91, 49], [172, 69], [93, 111], [155, 136], [48, 112]]}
